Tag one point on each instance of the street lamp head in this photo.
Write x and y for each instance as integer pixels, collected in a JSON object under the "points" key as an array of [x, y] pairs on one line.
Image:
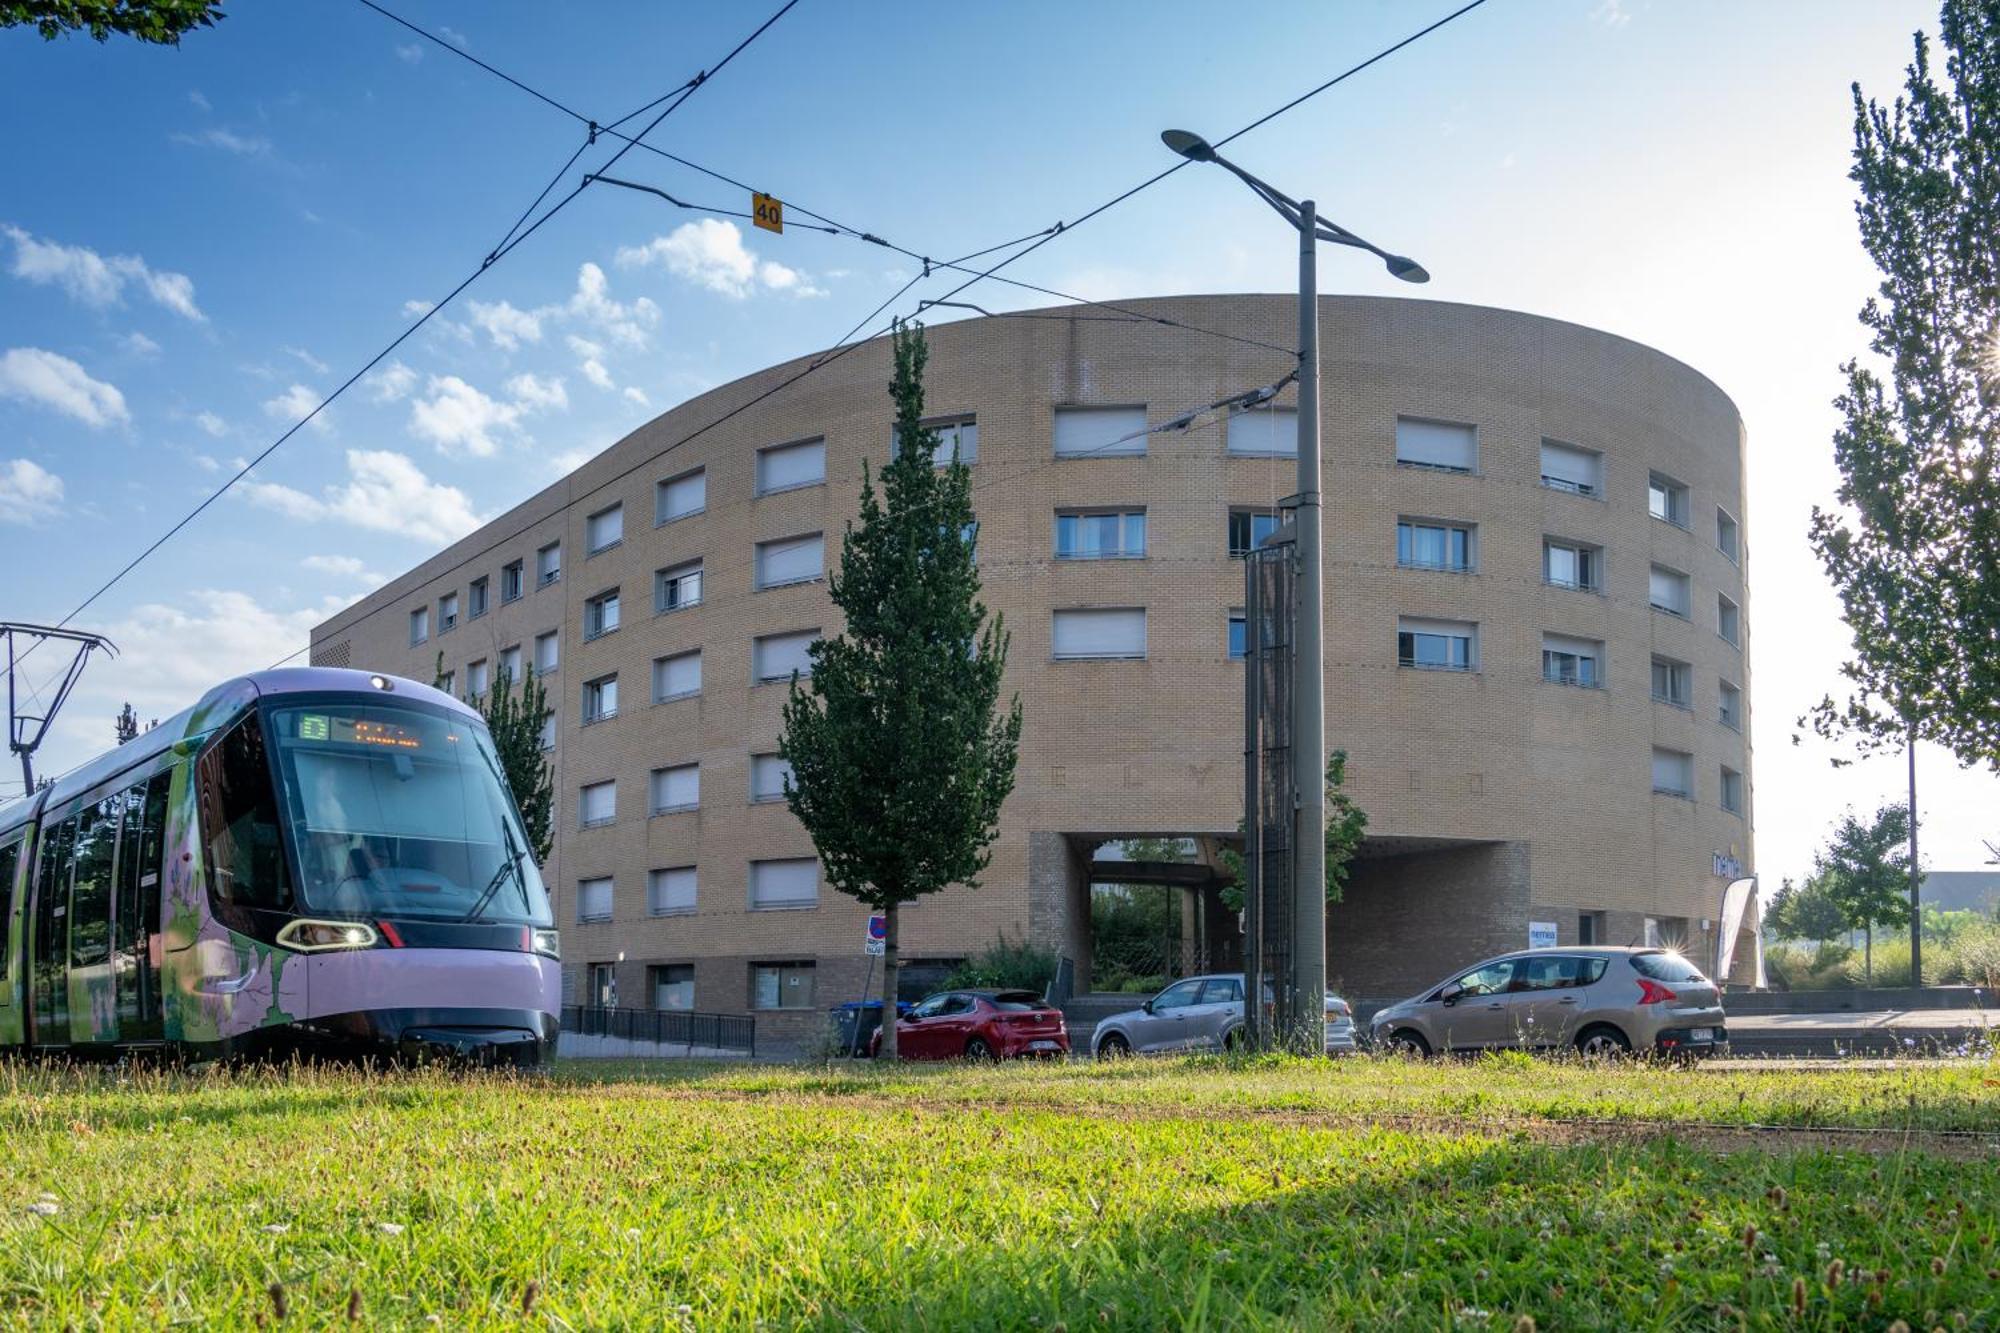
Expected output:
{"points": [[1409, 270], [1190, 146]]}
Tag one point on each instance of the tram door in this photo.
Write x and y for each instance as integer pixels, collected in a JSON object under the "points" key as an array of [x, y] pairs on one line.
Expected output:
{"points": [[137, 951], [93, 1014], [47, 978], [10, 864]]}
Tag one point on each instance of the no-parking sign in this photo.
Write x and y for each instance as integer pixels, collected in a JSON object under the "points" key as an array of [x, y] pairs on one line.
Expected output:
{"points": [[878, 936]]}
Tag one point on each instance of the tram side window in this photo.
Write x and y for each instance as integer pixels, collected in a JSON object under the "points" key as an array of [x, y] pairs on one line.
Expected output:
{"points": [[90, 898], [239, 815], [10, 861]]}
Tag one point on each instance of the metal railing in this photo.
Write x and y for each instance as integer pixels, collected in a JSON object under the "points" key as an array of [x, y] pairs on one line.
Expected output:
{"points": [[665, 1027]]}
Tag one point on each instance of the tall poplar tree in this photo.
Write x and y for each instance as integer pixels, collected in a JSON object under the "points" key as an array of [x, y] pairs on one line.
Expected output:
{"points": [[900, 757], [1915, 549], [515, 716]]}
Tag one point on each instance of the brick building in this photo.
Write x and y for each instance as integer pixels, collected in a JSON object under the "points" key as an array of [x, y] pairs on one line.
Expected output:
{"points": [[1536, 619]]}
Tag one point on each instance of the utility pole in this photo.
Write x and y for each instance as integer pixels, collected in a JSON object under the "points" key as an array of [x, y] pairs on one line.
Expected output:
{"points": [[1309, 681], [1916, 875]]}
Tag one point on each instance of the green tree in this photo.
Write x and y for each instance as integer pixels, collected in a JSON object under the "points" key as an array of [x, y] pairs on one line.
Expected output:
{"points": [[1865, 872], [127, 724], [1914, 549], [1806, 912], [158, 21], [515, 718], [899, 762], [1346, 826]]}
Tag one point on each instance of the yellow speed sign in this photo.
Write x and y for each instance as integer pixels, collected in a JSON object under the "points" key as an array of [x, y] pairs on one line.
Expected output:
{"points": [[767, 212]]}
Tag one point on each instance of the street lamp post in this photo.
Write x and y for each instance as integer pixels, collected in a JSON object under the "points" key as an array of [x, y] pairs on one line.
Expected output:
{"points": [[1309, 658]]}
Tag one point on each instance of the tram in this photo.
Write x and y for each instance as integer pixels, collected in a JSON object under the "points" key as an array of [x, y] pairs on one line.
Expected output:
{"points": [[311, 861]]}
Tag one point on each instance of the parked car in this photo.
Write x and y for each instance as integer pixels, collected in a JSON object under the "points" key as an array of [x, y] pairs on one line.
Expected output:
{"points": [[1202, 1014], [980, 1025], [1599, 1001]]}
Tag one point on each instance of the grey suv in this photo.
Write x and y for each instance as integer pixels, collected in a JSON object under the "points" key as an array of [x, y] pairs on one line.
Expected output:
{"points": [[1201, 1014], [1600, 1001]]}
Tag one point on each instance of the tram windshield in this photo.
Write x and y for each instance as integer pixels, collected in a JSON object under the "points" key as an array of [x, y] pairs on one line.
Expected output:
{"points": [[399, 811]]}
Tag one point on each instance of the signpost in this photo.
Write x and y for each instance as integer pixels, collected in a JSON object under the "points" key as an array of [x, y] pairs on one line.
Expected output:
{"points": [[767, 212], [877, 937]]}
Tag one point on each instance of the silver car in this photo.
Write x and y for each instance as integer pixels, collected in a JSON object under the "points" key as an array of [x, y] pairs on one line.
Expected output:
{"points": [[1201, 1014], [1599, 1001]]}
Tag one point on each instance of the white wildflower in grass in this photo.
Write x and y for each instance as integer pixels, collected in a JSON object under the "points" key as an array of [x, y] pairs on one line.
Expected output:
{"points": [[44, 1208], [390, 1228], [633, 1233], [275, 1228]]}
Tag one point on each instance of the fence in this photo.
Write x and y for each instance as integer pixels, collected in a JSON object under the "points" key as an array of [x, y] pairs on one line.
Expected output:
{"points": [[662, 1028]]}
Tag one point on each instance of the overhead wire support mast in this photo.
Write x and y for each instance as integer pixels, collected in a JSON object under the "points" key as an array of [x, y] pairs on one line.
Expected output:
{"points": [[25, 731]]}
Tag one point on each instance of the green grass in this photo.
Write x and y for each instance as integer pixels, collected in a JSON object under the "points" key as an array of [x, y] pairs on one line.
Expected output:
{"points": [[1151, 1195]]}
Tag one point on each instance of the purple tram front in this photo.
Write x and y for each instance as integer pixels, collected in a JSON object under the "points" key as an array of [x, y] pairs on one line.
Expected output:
{"points": [[309, 860]]}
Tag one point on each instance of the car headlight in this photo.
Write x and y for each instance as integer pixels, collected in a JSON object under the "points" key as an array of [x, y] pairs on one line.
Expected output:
{"points": [[308, 936], [547, 943]]}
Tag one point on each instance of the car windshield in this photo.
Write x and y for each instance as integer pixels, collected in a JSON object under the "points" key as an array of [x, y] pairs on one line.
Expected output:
{"points": [[397, 810], [1016, 1001], [1666, 967]]}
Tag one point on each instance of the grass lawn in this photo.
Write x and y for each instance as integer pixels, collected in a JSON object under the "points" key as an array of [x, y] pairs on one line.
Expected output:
{"points": [[1145, 1195]]}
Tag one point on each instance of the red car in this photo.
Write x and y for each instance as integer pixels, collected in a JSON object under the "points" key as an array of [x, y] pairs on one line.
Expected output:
{"points": [[980, 1025]]}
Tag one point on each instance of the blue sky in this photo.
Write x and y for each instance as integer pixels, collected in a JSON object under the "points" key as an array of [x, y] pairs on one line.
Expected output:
{"points": [[194, 242]]}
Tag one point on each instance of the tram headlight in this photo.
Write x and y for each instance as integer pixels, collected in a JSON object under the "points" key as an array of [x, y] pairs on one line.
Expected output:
{"points": [[546, 942], [309, 936]]}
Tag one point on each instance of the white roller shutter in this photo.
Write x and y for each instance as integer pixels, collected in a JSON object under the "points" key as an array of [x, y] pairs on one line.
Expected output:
{"points": [[1266, 431], [1670, 590], [682, 496], [606, 528], [598, 804], [1439, 444], [792, 560], [1673, 772], [768, 773], [593, 900], [788, 465], [1569, 468], [791, 883], [1100, 632], [1100, 432], [676, 788], [676, 676], [777, 656], [670, 891]]}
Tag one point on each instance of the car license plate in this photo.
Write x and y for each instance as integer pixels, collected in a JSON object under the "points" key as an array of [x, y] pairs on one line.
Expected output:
{"points": [[1702, 1034], [1044, 1045]]}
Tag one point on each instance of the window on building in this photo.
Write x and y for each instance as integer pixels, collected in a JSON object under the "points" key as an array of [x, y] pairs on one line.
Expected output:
{"points": [[600, 699], [673, 986], [1441, 445], [1249, 527], [680, 497], [448, 682], [1728, 537], [1437, 645], [1671, 591], [1572, 565], [420, 625], [448, 613], [1100, 632], [957, 437], [1729, 711], [677, 587], [1568, 468], [768, 775], [477, 679], [777, 656], [1239, 635], [676, 788], [548, 564], [1265, 432], [604, 529], [1423, 543], [477, 598], [548, 649], [593, 901], [1732, 790], [1728, 619], [548, 733], [784, 467], [1100, 432], [1100, 534], [1673, 772], [784, 883], [603, 979], [677, 677], [510, 582], [600, 615], [670, 892], [1570, 661], [781, 986], [1667, 499], [1673, 682], [510, 664], [790, 560], [597, 805]]}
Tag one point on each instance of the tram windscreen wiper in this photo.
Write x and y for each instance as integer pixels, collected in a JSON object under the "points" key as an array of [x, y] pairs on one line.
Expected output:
{"points": [[512, 863]]}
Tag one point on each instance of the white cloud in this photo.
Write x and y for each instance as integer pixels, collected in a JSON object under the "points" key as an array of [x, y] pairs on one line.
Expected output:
{"points": [[194, 96], [312, 362], [28, 492], [590, 361], [392, 382], [410, 54], [453, 36], [170, 655], [412, 309], [211, 423], [1611, 13], [458, 418], [508, 325], [385, 492], [206, 463], [243, 145], [710, 253], [293, 404], [138, 344], [637, 395], [347, 567], [537, 394], [56, 382], [95, 281], [593, 305]]}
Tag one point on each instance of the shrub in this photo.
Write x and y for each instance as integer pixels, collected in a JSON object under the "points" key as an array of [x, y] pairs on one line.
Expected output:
{"points": [[1005, 965]]}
